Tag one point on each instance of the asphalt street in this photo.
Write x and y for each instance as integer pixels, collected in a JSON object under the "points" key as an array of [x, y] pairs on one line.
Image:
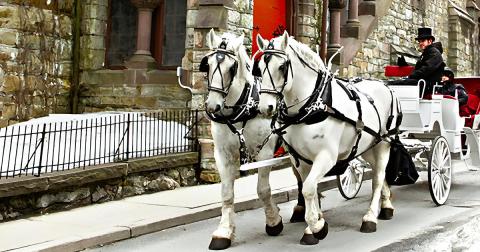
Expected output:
{"points": [[418, 225]]}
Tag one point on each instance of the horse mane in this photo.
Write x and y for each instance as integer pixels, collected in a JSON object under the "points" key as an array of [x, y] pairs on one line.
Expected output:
{"points": [[307, 53]]}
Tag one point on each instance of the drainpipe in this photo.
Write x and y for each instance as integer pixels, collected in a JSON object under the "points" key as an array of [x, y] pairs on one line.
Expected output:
{"points": [[75, 87], [323, 35]]}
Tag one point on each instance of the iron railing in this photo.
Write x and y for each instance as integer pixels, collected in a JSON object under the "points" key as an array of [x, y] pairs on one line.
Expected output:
{"points": [[38, 148]]}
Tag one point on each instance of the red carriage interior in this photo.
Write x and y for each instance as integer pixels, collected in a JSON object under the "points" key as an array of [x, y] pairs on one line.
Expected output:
{"points": [[471, 84]]}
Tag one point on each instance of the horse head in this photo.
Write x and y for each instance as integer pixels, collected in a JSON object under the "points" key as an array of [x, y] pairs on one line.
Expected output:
{"points": [[283, 63], [224, 67], [273, 67]]}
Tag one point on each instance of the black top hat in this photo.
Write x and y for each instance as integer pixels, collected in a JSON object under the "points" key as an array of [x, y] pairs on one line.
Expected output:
{"points": [[424, 33]]}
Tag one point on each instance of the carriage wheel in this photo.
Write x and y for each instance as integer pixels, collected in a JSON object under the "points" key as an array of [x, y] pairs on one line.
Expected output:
{"points": [[349, 183], [439, 171]]}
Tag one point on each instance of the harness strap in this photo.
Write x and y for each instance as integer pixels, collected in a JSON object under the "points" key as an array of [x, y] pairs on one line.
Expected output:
{"points": [[394, 131]]}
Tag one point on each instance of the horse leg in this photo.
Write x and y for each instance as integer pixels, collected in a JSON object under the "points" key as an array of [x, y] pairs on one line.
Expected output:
{"points": [[317, 228], [222, 237], [274, 225], [378, 158], [386, 210], [298, 214]]}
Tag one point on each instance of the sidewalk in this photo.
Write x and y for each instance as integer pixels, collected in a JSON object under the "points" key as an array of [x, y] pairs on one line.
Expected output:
{"points": [[108, 222]]}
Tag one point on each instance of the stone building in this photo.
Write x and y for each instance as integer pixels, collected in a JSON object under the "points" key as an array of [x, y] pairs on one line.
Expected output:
{"points": [[74, 56]]}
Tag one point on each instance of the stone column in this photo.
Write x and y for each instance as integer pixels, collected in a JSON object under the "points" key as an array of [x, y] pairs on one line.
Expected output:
{"points": [[352, 28], [142, 58], [335, 7]]}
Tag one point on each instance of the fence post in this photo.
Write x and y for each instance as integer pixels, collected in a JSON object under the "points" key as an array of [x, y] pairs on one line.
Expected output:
{"points": [[41, 150], [128, 135]]}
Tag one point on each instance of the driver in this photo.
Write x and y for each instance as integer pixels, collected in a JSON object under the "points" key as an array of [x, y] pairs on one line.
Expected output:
{"points": [[430, 65]]}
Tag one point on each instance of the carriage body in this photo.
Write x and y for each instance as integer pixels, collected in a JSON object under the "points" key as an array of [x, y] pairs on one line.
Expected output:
{"points": [[432, 130]]}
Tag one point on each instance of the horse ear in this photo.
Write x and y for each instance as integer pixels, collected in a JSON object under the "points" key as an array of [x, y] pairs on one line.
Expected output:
{"points": [[211, 39], [261, 43], [284, 41], [238, 42]]}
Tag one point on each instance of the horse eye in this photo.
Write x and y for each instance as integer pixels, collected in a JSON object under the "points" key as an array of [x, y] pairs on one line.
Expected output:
{"points": [[281, 68]]}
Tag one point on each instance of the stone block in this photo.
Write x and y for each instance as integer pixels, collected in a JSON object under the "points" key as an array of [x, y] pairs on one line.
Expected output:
{"points": [[99, 12], [192, 4], [22, 185], [66, 6], [350, 31], [162, 162], [9, 17], [8, 37], [103, 77], [92, 59], [11, 84], [209, 176], [212, 17], [93, 27], [92, 42], [65, 26], [229, 3], [162, 77], [90, 174], [97, 2]]}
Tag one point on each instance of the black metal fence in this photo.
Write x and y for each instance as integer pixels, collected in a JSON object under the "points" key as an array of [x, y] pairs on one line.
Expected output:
{"points": [[37, 148]]}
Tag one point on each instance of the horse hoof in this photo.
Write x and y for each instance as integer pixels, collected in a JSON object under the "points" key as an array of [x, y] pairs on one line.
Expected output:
{"points": [[386, 214], [275, 230], [322, 233], [219, 243], [368, 227], [308, 239], [298, 214]]}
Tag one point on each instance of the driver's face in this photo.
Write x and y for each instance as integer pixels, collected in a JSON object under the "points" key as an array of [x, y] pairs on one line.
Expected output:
{"points": [[445, 78], [423, 43]]}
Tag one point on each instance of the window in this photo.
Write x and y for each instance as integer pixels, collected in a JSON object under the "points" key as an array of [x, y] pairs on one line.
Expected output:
{"points": [[122, 32], [169, 33]]}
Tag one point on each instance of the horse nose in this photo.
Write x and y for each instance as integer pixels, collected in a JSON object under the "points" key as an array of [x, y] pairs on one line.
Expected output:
{"points": [[217, 108]]}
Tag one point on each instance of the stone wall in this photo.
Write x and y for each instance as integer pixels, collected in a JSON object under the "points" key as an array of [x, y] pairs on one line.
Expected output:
{"points": [[397, 31], [23, 196], [306, 22], [35, 58]]}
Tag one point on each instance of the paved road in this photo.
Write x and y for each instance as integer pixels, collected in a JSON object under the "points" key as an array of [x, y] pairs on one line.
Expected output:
{"points": [[418, 225]]}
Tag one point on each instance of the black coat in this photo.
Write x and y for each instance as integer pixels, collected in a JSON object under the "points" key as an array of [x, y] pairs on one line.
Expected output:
{"points": [[449, 88], [430, 66]]}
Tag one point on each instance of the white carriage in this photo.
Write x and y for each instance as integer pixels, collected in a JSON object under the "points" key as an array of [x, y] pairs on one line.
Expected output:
{"points": [[432, 132]]}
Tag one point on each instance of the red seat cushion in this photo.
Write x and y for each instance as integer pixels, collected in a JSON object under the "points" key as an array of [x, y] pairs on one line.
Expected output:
{"points": [[472, 104], [398, 71]]}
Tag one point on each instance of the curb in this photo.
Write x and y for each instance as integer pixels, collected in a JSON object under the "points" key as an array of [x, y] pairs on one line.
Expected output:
{"points": [[115, 234]]}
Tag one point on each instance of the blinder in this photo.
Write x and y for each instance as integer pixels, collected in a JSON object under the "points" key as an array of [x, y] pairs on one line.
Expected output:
{"points": [[256, 69], [204, 67]]}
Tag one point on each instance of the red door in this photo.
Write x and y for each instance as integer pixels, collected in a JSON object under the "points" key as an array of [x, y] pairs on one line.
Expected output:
{"points": [[269, 19]]}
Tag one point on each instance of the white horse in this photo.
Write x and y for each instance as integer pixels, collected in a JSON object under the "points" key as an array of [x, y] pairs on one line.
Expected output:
{"points": [[322, 120], [232, 107]]}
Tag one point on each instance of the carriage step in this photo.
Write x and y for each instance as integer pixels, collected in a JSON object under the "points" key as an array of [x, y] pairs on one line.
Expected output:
{"points": [[474, 145]]}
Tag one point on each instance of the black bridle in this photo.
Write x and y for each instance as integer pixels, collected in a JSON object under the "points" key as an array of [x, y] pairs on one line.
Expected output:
{"points": [[267, 56], [220, 53]]}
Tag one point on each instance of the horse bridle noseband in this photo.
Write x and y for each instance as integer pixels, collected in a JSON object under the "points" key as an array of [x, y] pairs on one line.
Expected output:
{"points": [[220, 54], [267, 56]]}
